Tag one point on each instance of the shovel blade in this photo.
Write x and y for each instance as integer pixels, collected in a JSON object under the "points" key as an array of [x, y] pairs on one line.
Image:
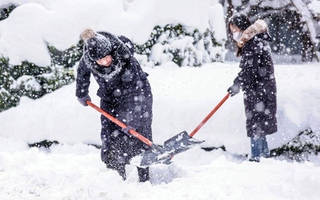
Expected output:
{"points": [[152, 156], [181, 142], [163, 155]]}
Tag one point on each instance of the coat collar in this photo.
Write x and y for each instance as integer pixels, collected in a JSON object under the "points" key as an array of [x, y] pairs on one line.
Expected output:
{"points": [[258, 27]]}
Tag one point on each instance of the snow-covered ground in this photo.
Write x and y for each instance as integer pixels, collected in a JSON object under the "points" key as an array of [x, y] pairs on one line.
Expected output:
{"points": [[75, 172], [182, 99]]}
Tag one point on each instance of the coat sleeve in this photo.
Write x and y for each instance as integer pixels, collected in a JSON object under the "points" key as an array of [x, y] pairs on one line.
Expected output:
{"points": [[82, 80]]}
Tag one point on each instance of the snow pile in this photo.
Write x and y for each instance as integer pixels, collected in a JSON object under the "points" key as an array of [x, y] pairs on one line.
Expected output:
{"points": [[75, 172], [59, 22], [174, 43], [315, 6]]}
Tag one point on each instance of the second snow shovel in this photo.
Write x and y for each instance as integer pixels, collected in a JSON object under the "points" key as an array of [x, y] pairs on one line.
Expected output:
{"points": [[156, 154], [179, 143]]}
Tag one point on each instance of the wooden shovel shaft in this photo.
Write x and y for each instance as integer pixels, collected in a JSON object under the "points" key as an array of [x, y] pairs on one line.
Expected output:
{"points": [[121, 124], [209, 115]]}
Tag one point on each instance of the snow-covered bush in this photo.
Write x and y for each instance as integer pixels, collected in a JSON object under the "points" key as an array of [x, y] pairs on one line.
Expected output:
{"points": [[28, 79], [68, 57], [300, 148], [184, 46], [5, 11]]}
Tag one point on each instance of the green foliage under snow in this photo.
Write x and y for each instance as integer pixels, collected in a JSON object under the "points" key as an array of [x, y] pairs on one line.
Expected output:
{"points": [[300, 148], [35, 81], [182, 46], [175, 42]]}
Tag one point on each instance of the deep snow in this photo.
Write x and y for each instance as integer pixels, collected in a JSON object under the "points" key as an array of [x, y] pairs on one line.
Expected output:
{"points": [[182, 98]]}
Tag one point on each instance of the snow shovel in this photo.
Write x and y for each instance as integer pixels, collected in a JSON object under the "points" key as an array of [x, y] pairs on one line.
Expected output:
{"points": [[156, 154], [209, 115], [176, 144], [181, 142]]}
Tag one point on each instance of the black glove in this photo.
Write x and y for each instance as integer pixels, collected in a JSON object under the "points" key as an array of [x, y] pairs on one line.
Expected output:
{"points": [[83, 100], [233, 90]]}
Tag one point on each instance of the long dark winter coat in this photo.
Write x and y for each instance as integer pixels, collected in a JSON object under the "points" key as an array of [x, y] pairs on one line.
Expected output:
{"points": [[257, 80], [125, 94]]}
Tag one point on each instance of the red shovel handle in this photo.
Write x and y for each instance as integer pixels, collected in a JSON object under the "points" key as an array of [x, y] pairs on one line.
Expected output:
{"points": [[209, 115], [121, 124]]}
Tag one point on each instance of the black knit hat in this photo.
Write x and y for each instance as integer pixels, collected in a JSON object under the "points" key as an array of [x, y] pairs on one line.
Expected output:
{"points": [[241, 21], [97, 45]]}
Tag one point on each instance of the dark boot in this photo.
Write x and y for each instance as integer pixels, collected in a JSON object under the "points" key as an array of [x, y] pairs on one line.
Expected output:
{"points": [[143, 174]]}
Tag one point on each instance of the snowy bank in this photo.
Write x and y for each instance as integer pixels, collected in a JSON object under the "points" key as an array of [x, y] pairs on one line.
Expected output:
{"points": [[182, 99]]}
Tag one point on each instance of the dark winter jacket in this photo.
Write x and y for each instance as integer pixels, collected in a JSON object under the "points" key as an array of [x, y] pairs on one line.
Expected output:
{"points": [[125, 93], [257, 81]]}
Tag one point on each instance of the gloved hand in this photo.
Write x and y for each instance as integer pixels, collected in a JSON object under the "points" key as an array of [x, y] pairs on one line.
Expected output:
{"points": [[84, 99], [233, 90]]}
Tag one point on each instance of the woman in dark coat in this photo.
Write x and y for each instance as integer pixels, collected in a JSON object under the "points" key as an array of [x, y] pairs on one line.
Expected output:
{"points": [[257, 81], [125, 93]]}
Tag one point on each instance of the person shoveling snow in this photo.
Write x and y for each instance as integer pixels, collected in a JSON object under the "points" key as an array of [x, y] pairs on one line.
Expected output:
{"points": [[126, 105], [124, 91]]}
